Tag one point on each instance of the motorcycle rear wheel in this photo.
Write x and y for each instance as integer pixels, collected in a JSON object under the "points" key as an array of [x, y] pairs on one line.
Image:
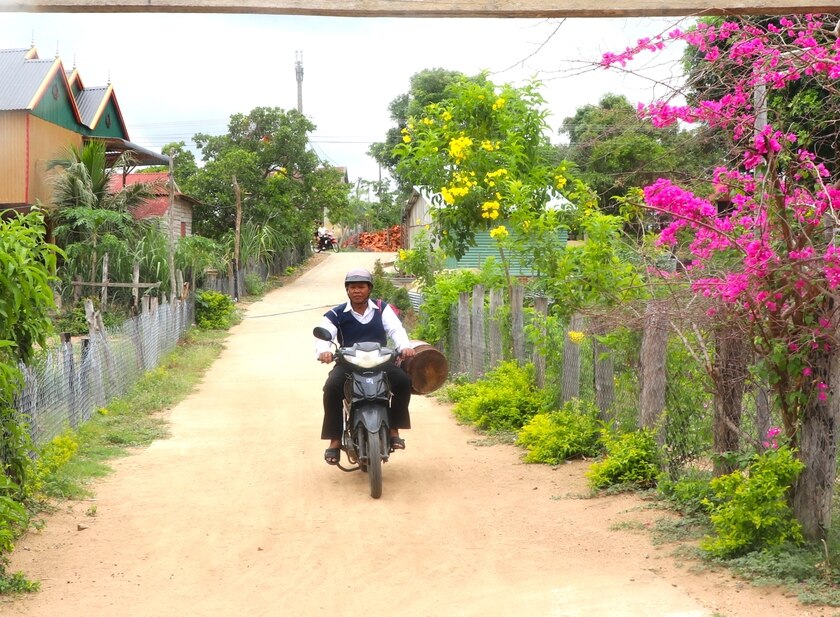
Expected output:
{"points": [[374, 466]]}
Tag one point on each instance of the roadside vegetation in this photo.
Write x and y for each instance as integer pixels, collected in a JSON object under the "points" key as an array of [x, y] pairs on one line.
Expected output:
{"points": [[716, 219]]}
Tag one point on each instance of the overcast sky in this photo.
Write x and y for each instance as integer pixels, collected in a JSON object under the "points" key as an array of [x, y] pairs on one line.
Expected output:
{"points": [[180, 74]]}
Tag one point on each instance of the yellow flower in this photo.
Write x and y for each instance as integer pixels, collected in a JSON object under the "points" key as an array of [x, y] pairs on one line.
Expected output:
{"points": [[500, 102], [403, 254], [428, 121], [499, 233], [576, 337], [490, 210], [407, 138], [559, 181], [447, 116], [459, 147], [487, 145]]}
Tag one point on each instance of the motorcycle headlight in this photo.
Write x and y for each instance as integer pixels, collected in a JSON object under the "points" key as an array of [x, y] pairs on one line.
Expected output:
{"points": [[367, 359]]}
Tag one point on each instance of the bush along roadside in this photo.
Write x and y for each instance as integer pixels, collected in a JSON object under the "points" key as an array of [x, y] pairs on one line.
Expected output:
{"points": [[64, 468], [742, 520]]}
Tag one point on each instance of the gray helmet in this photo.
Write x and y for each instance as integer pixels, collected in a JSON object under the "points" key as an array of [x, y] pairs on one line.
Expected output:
{"points": [[359, 275]]}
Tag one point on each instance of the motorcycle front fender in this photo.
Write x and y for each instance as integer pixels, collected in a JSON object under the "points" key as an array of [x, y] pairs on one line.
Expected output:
{"points": [[372, 415]]}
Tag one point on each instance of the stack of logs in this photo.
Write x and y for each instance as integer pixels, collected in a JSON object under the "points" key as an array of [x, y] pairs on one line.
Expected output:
{"points": [[382, 241]]}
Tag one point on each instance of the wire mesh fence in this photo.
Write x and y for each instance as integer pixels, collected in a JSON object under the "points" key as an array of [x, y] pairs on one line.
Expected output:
{"points": [[71, 381]]}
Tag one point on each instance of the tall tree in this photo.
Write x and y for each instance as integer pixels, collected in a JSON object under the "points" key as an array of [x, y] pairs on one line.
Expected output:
{"points": [[283, 182], [615, 150]]}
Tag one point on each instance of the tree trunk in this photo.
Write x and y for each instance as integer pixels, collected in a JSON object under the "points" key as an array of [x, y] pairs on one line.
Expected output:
{"points": [[813, 489], [730, 375]]}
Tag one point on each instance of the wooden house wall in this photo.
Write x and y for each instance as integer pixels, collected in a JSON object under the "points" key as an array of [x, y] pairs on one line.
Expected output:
{"points": [[23, 172], [13, 176], [47, 142]]}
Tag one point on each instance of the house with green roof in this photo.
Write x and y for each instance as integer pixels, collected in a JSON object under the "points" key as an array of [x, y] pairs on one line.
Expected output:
{"points": [[45, 109]]}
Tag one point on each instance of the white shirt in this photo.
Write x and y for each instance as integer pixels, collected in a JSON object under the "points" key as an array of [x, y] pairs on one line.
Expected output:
{"points": [[393, 326]]}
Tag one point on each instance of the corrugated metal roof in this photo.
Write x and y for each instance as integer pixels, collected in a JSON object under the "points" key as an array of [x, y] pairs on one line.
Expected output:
{"points": [[486, 247], [21, 78], [89, 101]]}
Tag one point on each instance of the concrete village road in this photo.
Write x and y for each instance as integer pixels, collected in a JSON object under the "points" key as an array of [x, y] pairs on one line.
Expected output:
{"points": [[236, 513]]}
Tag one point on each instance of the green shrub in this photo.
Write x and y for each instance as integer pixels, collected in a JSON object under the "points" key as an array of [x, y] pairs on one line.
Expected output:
{"points": [[503, 400], [213, 310], [74, 321], [689, 493], [52, 457], [556, 436], [384, 288], [750, 510], [254, 285], [632, 459]]}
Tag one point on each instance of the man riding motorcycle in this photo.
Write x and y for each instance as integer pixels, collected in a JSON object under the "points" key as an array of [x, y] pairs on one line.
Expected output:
{"points": [[362, 320]]}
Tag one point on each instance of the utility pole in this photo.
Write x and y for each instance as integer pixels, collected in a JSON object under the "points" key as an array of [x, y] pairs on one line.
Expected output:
{"points": [[237, 233], [172, 292], [299, 74]]}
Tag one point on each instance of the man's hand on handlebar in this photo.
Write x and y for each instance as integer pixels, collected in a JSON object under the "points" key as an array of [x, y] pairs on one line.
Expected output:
{"points": [[407, 352], [327, 356]]}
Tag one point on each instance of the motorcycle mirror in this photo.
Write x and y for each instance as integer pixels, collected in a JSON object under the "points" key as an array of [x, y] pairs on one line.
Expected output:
{"points": [[322, 333]]}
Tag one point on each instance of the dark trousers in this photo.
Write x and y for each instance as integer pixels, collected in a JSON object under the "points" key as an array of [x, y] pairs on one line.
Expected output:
{"points": [[334, 396]]}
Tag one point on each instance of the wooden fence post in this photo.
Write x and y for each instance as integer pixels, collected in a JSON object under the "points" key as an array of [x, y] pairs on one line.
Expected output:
{"points": [[604, 379], [517, 299], [464, 331], [571, 360], [103, 298], [495, 326], [541, 309], [653, 355], [456, 348], [135, 290], [70, 376], [477, 323]]}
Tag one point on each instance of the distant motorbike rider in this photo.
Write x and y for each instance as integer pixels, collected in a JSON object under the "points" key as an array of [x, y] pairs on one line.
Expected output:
{"points": [[321, 236], [363, 320]]}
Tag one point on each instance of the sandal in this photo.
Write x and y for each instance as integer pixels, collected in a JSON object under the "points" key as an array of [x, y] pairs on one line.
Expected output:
{"points": [[397, 443], [332, 456]]}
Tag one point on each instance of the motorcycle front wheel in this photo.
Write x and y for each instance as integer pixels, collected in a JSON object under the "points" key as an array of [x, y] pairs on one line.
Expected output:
{"points": [[335, 246], [374, 461]]}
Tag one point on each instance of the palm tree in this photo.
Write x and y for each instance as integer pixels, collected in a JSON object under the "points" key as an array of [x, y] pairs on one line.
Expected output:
{"points": [[88, 217]]}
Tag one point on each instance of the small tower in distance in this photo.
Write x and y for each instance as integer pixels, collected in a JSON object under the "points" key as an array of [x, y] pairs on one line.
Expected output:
{"points": [[299, 74]]}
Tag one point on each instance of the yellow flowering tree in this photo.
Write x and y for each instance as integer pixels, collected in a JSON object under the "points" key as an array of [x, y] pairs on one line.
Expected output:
{"points": [[485, 149]]}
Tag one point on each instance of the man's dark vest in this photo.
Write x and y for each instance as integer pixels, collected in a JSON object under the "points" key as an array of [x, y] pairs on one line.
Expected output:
{"points": [[350, 331]]}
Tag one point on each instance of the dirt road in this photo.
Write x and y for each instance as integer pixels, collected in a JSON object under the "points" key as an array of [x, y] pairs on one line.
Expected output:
{"points": [[236, 514]]}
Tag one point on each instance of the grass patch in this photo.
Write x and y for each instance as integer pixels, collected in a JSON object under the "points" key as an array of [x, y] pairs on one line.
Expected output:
{"points": [[134, 420]]}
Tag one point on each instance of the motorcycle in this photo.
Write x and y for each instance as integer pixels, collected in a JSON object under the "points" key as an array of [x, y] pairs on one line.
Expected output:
{"points": [[367, 394], [327, 242]]}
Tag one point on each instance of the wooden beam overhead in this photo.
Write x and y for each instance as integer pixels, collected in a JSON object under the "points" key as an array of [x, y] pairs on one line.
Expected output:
{"points": [[431, 8]]}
